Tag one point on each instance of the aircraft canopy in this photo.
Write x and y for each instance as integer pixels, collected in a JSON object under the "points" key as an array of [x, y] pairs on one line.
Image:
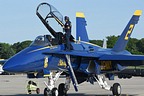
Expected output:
{"points": [[47, 11], [42, 41]]}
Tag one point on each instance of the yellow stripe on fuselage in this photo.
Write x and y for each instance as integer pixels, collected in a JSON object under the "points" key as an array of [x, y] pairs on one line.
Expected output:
{"points": [[138, 12], [40, 49], [80, 14]]}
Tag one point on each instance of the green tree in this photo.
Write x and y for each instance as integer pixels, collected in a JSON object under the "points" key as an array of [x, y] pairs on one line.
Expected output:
{"points": [[20, 46], [111, 40], [6, 51], [140, 45], [97, 42], [132, 46]]}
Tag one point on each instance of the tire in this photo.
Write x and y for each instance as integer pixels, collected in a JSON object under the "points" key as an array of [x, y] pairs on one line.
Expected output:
{"points": [[38, 91], [46, 92], [54, 91], [120, 76], [62, 90], [129, 76], [29, 92], [116, 89]]}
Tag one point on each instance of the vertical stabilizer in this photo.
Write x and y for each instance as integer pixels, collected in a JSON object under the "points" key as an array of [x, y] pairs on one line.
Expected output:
{"points": [[104, 43], [125, 36], [81, 32]]}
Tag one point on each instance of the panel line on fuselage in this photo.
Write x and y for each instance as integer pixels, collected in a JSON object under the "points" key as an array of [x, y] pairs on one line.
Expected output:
{"points": [[90, 43], [42, 48]]}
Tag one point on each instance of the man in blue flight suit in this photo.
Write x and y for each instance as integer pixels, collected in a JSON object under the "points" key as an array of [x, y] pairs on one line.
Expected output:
{"points": [[67, 29]]}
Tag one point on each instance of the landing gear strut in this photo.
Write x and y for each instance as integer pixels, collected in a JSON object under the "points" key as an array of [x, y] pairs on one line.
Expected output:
{"points": [[116, 88], [51, 90]]}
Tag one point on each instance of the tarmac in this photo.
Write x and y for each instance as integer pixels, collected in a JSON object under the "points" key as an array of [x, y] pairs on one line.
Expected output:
{"points": [[15, 85]]}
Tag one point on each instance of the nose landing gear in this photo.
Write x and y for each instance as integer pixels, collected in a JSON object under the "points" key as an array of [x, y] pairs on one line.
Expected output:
{"points": [[51, 90]]}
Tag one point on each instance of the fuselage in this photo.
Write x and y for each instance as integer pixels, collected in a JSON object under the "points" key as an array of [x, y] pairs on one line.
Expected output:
{"points": [[32, 58]]}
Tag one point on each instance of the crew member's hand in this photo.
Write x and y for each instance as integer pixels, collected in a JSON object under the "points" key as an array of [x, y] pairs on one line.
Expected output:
{"points": [[63, 27]]}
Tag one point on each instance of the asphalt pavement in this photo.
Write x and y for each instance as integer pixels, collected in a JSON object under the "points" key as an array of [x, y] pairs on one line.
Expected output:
{"points": [[15, 85]]}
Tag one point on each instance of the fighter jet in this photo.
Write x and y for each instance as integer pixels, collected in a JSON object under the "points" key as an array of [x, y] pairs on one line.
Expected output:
{"points": [[47, 56]]}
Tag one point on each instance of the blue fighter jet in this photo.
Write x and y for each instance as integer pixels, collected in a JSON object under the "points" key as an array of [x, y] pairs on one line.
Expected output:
{"points": [[47, 57]]}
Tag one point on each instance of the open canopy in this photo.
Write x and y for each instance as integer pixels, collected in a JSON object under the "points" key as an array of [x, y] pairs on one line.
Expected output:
{"points": [[47, 11]]}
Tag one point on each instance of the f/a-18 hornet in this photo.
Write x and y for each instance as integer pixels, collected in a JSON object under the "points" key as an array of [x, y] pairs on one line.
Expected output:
{"points": [[47, 57]]}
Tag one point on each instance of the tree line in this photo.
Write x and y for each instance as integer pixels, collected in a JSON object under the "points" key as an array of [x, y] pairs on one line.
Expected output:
{"points": [[8, 50], [135, 46]]}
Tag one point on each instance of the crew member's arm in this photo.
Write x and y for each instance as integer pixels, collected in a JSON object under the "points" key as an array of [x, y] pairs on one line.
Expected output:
{"points": [[67, 25]]}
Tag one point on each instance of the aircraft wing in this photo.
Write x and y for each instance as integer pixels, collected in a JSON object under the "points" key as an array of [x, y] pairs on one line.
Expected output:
{"points": [[74, 53], [122, 57], [125, 60]]}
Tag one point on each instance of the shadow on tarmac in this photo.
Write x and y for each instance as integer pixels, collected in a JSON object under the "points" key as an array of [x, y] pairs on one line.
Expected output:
{"points": [[78, 94]]}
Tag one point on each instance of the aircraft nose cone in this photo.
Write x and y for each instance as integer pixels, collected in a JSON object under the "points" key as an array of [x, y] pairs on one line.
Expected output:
{"points": [[5, 67], [8, 67], [14, 64], [18, 62], [24, 61]]}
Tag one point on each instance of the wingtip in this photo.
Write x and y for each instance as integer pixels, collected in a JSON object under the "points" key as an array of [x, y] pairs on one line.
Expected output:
{"points": [[138, 12], [80, 14]]}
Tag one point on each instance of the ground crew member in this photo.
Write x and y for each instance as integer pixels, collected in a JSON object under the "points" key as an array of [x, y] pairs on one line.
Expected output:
{"points": [[67, 29], [32, 86]]}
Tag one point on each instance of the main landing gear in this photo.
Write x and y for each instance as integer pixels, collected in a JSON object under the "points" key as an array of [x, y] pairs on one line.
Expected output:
{"points": [[116, 88], [62, 89]]}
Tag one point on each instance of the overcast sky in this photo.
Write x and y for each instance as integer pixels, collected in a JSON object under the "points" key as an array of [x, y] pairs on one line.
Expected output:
{"points": [[18, 20]]}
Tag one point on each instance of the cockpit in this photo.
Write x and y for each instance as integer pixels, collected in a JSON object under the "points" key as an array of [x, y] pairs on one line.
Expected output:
{"points": [[45, 40], [51, 14]]}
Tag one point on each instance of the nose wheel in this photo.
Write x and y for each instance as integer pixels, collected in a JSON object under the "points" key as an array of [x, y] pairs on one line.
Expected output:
{"points": [[46, 92], [53, 92], [62, 90]]}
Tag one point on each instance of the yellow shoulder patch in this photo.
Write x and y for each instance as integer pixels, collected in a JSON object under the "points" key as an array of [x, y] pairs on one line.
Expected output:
{"points": [[80, 14], [138, 12]]}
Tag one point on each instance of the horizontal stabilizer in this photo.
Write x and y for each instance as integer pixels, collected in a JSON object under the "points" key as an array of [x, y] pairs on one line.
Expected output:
{"points": [[125, 36]]}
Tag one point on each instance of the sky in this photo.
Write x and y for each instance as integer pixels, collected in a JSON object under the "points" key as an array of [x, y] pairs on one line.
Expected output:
{"points": [[18, 20]]}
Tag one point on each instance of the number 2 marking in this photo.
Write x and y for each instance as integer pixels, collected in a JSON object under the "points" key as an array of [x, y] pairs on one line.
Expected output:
{"points": [[129, 32]]}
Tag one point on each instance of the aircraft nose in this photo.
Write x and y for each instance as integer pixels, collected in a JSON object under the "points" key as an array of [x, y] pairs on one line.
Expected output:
{"points": [[10, 66], [23, 64], [6, 67], [16, 63], [25, 61]]}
